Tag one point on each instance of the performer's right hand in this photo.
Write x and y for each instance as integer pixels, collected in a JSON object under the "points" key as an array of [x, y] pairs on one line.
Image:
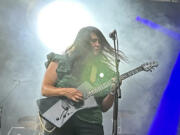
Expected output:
{"points": [[73, 94]]}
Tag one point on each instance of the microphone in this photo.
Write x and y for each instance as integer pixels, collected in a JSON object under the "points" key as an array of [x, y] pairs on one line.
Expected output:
{"points": [[112, 34]]}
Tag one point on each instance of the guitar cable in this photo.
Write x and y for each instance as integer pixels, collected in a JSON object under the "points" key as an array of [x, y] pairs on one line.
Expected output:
{"points": [[43, 126]]}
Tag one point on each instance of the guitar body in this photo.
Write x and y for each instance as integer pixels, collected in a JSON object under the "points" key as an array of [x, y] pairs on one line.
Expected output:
{"points": [[58, 110]]}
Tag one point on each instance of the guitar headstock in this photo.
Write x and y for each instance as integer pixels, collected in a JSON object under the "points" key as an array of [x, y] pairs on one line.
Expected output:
{"points": [[149, 66]]}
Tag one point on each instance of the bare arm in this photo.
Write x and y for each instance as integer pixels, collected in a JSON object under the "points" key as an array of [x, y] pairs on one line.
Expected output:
{"points": [[48, 88], [107, 102]]}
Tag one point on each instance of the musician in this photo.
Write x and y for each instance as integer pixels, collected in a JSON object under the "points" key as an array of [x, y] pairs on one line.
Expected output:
{"points": [[90, 58]]}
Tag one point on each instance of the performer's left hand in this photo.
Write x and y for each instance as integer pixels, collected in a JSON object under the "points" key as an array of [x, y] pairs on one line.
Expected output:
{"points": [[115, 84]]}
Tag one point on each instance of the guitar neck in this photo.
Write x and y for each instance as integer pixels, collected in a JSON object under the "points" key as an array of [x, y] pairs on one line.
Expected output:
{"points": [[131, 73], [108, 84]]}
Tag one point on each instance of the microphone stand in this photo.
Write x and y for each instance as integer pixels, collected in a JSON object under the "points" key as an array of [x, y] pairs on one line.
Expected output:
{"points": [[117, 94], [1, 109]]}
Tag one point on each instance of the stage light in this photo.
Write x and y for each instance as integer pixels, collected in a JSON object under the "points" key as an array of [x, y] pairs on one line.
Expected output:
{"points": [[167, 116], [59, 22]]}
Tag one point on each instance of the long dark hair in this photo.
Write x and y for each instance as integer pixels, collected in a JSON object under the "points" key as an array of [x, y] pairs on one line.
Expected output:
{"points": [[81, 45]]}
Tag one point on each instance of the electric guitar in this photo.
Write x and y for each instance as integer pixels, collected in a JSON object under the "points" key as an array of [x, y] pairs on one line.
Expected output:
{"points": [[58, 110]]}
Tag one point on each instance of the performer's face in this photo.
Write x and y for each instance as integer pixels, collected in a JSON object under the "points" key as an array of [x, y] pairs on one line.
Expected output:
{"points": [[95, 43]]}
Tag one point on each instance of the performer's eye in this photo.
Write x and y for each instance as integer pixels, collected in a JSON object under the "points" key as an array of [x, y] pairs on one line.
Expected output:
{"points": [[94, 40]]}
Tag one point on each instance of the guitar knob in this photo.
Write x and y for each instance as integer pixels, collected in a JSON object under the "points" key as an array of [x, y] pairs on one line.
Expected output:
{"points": [[57, 118]]}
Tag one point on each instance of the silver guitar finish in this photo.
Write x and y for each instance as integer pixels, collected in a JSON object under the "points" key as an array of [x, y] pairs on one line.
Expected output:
{"points": [[62, 110]]}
